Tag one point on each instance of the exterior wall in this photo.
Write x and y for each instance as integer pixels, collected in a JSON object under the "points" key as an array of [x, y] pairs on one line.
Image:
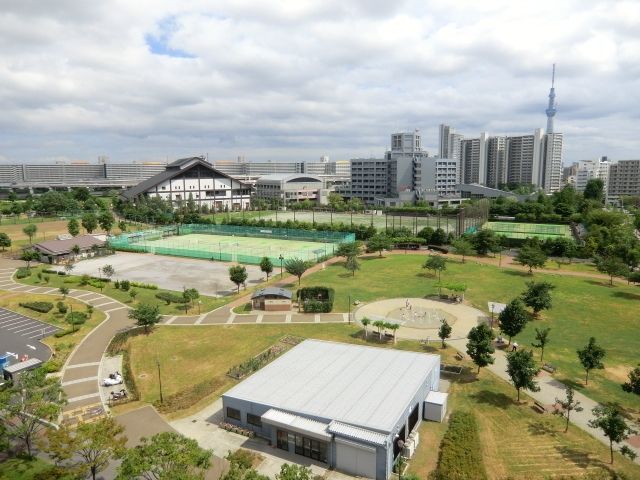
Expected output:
{"points": [[551, 175], [624, 178]]}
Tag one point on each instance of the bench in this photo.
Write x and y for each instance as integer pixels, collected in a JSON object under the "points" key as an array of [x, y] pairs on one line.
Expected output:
{"points": [[539, 407], [459, 356], [547, 367]]}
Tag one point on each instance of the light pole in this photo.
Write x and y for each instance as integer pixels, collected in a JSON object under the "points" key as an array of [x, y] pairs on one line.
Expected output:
{"points": [[159, 379], [492, 309], [349, 308], [199, 303], [281, 258]]}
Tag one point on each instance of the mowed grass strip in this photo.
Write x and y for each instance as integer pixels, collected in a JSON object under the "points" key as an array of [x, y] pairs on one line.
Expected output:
{"points": [[582, 307]]}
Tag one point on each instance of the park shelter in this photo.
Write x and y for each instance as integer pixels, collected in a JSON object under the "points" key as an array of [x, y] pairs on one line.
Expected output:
{"points": [[60, 251], [271, 299], [351, 407]]}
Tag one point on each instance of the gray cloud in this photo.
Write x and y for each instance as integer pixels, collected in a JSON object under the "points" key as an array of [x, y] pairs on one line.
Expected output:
{"points": [[300, 78]]}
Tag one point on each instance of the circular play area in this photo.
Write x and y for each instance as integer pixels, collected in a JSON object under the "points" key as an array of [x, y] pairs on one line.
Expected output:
{"points": [[420, 317]]}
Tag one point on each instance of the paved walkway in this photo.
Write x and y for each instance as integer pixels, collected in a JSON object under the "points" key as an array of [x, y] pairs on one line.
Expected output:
{"points": [[468, 317]]}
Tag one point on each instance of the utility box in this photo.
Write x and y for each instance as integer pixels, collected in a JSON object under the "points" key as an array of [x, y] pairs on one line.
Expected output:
{"points": [[435, 406]]}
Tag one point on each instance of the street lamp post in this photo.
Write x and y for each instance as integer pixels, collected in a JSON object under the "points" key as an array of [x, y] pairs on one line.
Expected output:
{"points": [[281, 258], [492, 309], [349, 308], [159, 379]]}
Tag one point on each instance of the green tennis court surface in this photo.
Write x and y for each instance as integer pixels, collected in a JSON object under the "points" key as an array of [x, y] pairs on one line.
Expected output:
{"points": [[528, 230]]}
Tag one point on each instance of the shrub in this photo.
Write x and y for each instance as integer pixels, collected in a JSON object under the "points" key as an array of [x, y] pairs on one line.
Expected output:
{"points": [[96, 283], [84, 279], [42, 307], [76, 318], [125, 285], [62, 333], [316, 299], [460, 451], [49, 270], [169, 297], [62, 308], [242, 458], [23, 272], [149, 286], [52, 366], [116, 284]]}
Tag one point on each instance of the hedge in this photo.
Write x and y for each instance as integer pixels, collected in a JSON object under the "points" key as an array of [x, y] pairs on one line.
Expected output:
{"points": [[149, 286], [170, 297], [42, 307], [460, 451], [310, 301], [23, 272]]}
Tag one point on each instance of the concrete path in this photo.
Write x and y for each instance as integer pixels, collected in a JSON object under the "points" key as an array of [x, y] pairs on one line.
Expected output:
{"points": [[468, 317]]}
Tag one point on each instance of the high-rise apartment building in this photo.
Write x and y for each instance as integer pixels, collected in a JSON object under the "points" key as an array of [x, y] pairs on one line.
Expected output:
{"points": [[497, 161], [590, 169], [524, 159], [473, 159], [406, 149], [551, 165], [624, 179], [450, 143]]}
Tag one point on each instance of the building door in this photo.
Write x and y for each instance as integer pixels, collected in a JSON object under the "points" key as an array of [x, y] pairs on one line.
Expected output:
{"points": [[355, 459]]}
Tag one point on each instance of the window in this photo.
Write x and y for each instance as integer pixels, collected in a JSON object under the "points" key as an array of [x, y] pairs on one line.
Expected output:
{"points": [[233, 413], [254, 420], [283, 440]]}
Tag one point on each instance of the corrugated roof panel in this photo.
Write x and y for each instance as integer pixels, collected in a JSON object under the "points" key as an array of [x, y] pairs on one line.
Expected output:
{"points": [[365, 386], [363, 434], [279, 417]]}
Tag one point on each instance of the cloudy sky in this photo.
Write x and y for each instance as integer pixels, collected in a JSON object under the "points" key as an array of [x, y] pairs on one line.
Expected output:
{"points": [[296, 79]]}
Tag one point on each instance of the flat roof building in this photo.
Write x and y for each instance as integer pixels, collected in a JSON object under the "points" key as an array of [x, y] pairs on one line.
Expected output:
{"points": [[352, 407]]}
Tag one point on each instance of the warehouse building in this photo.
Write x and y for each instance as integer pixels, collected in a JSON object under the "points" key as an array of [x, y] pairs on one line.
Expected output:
{"points": [[352, 407]]}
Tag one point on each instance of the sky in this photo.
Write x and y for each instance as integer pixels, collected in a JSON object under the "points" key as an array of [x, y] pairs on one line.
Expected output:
{"points": [[297, 79]]}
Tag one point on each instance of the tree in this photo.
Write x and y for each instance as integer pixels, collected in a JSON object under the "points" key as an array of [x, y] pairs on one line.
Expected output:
{"points": [[64, 291], [294, 472], [89, 222], [380, 325], [365, 323], [87, 448], [30, 230], [485, 241], [522, 370], [352, 265], [437, 263], [29, 256], [463, 247], [5, 241], [145, 315], [133, 293], [266, 266], [108, 271], [75, 250], [336, 202], [611, 265], [238, 275], [542, 338], [167, 455], [567, 406], [378, 243], [591, 357], [444, 331], [122, 225], [480, 345], [594, 190], [297, 267], [73, 227], [68, 268], [190, 295], [531, 256], [26, 406], [538, 296], [106, 221], [347, 249], [612, 423], [393, 327], [633, 385], [513, 318]]}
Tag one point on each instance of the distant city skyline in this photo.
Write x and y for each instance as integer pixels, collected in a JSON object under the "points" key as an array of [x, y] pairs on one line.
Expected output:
{"points": [[295, 80]]}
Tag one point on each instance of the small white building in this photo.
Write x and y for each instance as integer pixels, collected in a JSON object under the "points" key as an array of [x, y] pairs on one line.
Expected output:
{"points": [[195, 179], [291, 188]]}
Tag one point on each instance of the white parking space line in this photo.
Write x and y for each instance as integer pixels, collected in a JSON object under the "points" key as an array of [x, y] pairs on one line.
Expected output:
{"points": [[30, 327], [47, 331], [18, 324], [8, 320]]}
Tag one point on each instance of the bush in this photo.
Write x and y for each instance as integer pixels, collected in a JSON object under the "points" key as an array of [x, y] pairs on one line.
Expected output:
{"points": [[85, 279], [316, 299], [116, 284], [96, 283], [169, 297], [460, 451], [23, 272], [148, 286], [125, 285], [242, 458], [42, 307], [62, 333], [76, 318], [49, 270], [62, 308], [52, 366]]}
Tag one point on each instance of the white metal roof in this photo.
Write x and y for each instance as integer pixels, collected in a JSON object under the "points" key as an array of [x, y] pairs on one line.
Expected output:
{"points": [[295, 422], [17, 367], [437, 398], [362, 386], [350, 431]]}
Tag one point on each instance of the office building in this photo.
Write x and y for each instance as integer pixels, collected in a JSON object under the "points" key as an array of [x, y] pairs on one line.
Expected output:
{"points": [[288, 188], [590, 169], [354, 408], [436, 176], [406, 150], [371, 178]]}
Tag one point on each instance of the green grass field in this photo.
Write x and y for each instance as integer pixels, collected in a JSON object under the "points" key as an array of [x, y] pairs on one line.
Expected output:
{"points": [[516, 442], [583, 307], [237, 247], [528, 230]]}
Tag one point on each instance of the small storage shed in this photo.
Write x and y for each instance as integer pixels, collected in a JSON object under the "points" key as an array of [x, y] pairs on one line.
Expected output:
{"points": [[12, 372], [435, 406], [271, 299]]}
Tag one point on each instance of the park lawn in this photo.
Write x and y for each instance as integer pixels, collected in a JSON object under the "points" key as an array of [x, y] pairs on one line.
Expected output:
{"points": [[145, 295], [532, 448], [61, 347], [583, 307]]}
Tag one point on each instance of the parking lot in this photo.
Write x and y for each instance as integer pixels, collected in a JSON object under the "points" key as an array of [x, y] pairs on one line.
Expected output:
{"points": [[20, 335]]}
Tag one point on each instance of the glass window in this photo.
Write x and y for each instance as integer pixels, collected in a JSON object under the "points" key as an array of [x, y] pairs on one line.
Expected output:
{"points": [[282, 440], [233, 413], [254, 420]]}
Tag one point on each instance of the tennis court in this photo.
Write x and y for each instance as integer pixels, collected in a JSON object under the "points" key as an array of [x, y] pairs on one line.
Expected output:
{"points": [[233, 243], [529, 230]]}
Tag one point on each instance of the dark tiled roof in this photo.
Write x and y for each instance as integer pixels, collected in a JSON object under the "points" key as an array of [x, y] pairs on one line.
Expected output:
{"points": [[173, 169], [61, 247], [279, 292]]}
